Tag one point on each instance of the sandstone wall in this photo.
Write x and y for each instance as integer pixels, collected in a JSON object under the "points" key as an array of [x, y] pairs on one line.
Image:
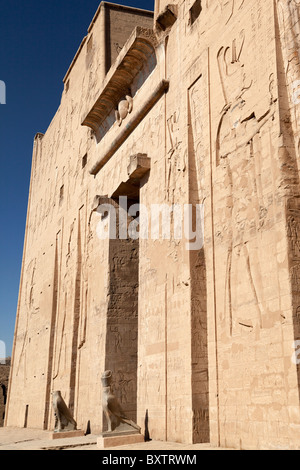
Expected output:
{"points": [[199, 340], [64, 293], [4, 376]]}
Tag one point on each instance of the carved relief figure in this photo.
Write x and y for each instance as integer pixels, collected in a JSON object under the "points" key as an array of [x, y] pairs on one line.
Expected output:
{"points": [[293, 226], [228, 7], [173, 131], [31, 305], [64, 306], [237, 161], [289, 24]]}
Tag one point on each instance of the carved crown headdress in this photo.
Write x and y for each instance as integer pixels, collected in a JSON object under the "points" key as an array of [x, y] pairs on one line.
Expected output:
{"points": [[231, 69]]}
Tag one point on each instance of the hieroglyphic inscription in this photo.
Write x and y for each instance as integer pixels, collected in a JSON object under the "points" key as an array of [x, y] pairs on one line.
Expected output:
{"points": [[293, 214]]}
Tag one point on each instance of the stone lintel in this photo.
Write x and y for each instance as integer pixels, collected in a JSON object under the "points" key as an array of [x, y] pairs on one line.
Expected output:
{"points": [[137, 117], [167, 17], [139, 165]]}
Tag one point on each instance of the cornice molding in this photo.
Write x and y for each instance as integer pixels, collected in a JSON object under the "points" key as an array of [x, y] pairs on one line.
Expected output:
{"points": [[135, 54]]}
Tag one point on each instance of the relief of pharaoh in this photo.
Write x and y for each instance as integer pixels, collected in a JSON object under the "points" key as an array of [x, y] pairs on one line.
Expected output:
{"points": [[238, 175]]}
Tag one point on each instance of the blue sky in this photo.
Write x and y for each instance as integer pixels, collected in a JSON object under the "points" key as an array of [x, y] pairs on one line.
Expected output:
{"points": [[38, 40]]}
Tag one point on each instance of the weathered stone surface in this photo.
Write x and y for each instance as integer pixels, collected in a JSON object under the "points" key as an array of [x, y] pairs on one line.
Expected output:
{"points": [[204, 340], [116, 441], [4, 380], [66, 434]]}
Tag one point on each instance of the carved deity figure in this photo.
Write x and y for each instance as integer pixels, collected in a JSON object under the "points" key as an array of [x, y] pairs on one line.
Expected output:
{"points": [[125, 107], [237, 163], [116, 418], [64, 420], [228, 7]]}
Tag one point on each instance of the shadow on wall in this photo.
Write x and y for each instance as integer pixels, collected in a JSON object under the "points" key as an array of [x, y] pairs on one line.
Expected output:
{"points": [[289, 155]]}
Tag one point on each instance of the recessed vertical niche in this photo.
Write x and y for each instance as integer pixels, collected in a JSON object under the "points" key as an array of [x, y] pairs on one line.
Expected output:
{"points": [[89, 45], [84, 161], [195, 11], [61, 194], [26, 416], [122, 314], [67, 86]]}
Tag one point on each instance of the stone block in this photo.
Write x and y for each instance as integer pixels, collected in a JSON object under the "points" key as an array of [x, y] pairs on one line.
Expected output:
{"points": [[107, 441], [66, 435]]}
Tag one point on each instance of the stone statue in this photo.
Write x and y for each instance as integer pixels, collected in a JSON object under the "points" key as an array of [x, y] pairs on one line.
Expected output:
{"points": [[116, 419], [63, 419], [125, 107]]}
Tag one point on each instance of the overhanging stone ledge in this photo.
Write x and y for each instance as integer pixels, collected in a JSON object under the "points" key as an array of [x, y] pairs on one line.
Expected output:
{"points": [[137, 117], [139, 48]]}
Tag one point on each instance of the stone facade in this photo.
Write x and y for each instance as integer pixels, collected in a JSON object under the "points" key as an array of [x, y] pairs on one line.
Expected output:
{"points": [[4, 375], [196, 106]]}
